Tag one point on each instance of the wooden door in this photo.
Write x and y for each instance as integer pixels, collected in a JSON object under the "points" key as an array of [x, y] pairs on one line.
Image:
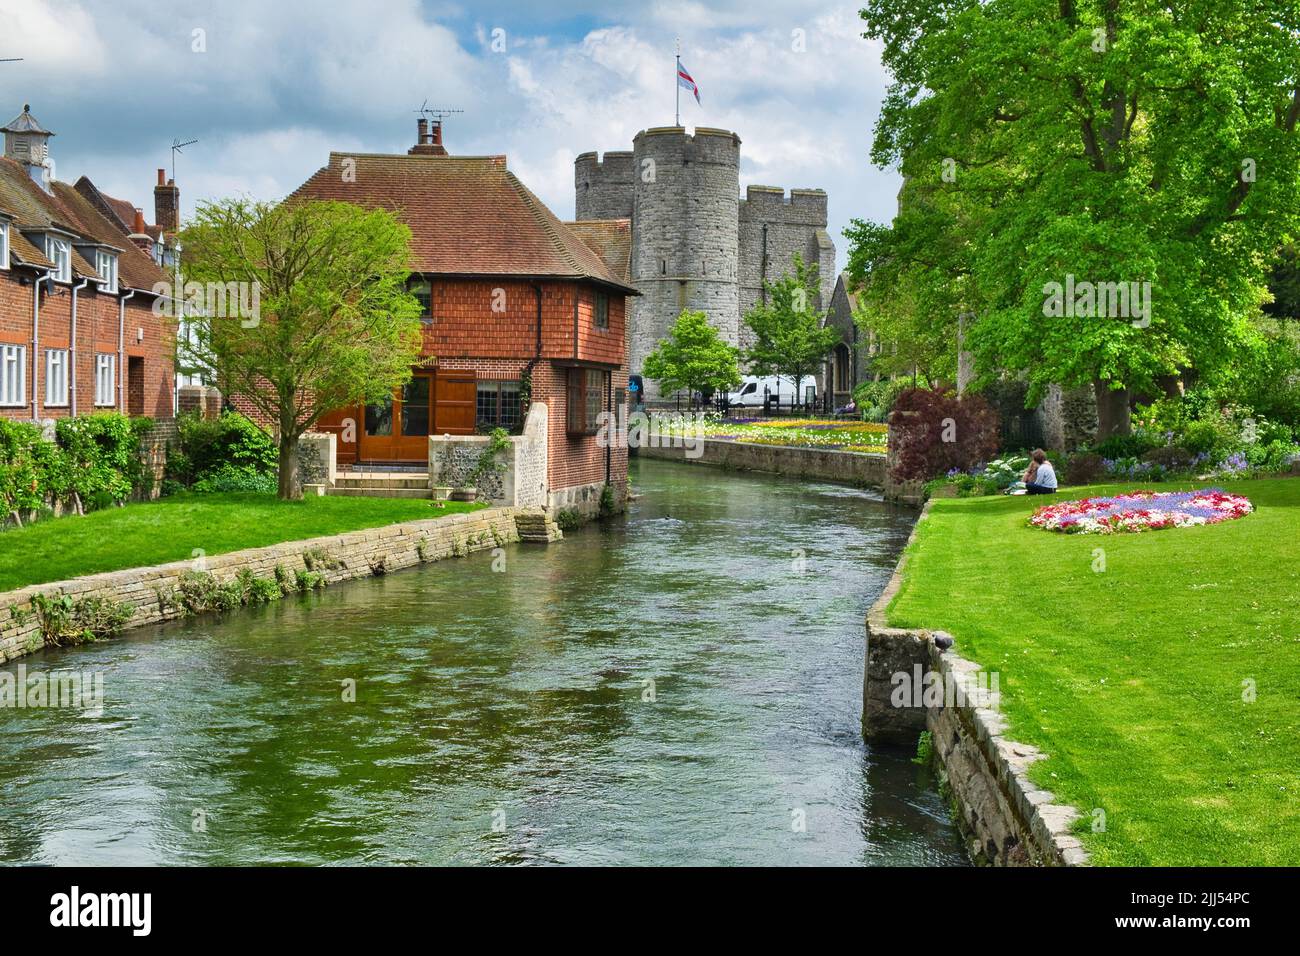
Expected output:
{"points": [[397, 429], [456, 393]]}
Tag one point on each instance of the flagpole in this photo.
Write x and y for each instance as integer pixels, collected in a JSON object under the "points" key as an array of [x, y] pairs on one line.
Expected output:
{"points": [[677, 83]]}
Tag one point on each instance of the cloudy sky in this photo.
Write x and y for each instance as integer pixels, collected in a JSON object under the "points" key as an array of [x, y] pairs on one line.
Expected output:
{"points": [[269, 87]]}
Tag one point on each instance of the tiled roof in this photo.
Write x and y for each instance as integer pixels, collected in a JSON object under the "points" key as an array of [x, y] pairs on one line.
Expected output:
{"points": [[469, 215], [611, 239], [119, 212], [69, 211]]}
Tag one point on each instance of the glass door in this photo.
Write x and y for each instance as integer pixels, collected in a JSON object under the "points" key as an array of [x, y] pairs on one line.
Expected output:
{"points": [[397, 429]]}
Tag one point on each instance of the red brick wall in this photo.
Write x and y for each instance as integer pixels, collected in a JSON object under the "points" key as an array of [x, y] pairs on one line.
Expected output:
{"points": [[465, 323], [466, 333], [97, 332]]}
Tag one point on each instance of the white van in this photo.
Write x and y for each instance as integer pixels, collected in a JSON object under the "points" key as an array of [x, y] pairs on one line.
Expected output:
{"points": [[753, 388]]}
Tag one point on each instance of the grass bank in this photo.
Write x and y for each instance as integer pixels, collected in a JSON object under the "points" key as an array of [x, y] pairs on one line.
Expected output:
{"points": [[1136, 679], [170, 529]]}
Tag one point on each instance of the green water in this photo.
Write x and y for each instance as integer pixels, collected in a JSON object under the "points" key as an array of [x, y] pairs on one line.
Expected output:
{"points": [[503, 716]]}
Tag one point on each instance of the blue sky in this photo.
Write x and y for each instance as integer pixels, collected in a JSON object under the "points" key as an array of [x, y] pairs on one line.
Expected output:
{"points": [[269, 87]]}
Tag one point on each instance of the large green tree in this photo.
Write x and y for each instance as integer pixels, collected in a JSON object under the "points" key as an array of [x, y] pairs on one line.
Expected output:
{"points": [[693, 357], [1091, 141], [333, 325], [791, 337]]}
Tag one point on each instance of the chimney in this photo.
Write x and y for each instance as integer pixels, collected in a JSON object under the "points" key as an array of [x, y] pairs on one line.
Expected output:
{"points": [[428, 139], [166, 203], [139, 233]]}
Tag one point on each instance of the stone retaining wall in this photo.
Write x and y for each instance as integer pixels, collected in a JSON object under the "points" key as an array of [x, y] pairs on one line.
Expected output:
{"points": [[815, 463], [913, 682], [340, 557]]}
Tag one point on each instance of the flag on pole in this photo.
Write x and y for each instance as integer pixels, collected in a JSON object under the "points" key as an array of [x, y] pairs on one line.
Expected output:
{"points": [[684, 80]]}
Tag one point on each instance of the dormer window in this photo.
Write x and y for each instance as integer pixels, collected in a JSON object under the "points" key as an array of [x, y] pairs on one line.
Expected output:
{"points": [[106, 266], [59, 252]]}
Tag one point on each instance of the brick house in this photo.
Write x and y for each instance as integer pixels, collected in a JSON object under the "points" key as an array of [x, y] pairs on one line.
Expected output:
{"points": [[78, 332], [518, 306]]}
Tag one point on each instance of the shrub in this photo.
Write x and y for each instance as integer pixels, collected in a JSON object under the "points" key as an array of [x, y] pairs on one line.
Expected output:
{"points": [[1213, 437], [102, 456], [568, 519], [1125, 446], [227, 445], [1169, 459], [1084, 468], [875, 400], [934, 431], [1005, 472], [237, 478]]}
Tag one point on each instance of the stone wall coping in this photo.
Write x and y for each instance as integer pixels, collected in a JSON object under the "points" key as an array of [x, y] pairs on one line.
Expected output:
{"points": [[1049, 823], [282, 549]]}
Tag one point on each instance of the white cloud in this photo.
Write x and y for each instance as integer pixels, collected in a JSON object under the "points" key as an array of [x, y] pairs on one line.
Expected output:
{"points": [[283, 83]]}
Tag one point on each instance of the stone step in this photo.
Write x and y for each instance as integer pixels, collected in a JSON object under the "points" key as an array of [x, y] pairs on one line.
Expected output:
{"points": [[382, 492], [382, 481]]}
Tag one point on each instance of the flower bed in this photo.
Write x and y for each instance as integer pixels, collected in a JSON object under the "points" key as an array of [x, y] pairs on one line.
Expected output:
{"points": [[1142, 511]]}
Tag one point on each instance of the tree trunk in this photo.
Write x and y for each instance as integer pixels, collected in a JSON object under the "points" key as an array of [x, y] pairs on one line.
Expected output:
{"points": [[290, 489], [1112, 410]]}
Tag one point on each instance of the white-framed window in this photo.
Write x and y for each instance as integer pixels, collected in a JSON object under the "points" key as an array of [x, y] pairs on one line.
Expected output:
{"points": [[13, 374], [106, 266], [56, 377], [4, 244], [59, 252], [105, 378]]}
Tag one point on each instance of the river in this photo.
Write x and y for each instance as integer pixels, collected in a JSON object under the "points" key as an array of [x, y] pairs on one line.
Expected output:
{"points": [[679, 686]]}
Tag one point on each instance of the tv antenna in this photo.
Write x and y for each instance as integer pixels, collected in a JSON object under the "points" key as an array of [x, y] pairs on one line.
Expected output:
{"points": [[178, 147], [437, 113], [11, 59]]}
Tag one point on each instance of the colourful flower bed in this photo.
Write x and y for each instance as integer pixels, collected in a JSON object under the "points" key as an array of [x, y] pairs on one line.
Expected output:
{"points": [[1142, 511], [865, 437]]}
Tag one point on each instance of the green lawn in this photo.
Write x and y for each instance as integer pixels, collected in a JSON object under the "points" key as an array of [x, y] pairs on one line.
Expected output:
{"points": [[1131, 678], [170, 529]]}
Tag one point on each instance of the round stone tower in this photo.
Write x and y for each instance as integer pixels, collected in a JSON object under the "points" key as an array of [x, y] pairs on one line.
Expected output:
{"points": [[685, 234], [603, 189]]}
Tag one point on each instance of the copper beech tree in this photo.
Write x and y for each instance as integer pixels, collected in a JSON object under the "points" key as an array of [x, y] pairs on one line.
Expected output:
{"points": [[334, 323]]}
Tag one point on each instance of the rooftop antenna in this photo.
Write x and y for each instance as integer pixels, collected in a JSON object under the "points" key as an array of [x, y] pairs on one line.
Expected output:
{"points": [[177, 147], [437, 113], [11, 59]]}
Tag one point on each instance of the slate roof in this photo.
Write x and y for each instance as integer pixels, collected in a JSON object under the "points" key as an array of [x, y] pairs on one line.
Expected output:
{"points": [[469, 215], [66, 210], [611, 239]]}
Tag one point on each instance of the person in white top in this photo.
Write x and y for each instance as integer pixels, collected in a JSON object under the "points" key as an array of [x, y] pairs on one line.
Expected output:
{"points": [[1040, 478]]}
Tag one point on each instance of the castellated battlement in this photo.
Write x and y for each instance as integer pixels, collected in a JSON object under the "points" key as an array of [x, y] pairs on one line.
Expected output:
{"points": [[603, 188], [773, 204], [696, 244]]}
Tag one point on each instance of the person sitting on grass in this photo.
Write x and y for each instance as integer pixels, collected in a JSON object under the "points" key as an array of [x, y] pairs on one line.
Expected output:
{"points": [[1040, 477]]}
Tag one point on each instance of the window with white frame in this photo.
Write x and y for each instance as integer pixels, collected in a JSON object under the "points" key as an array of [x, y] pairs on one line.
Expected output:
{"points": [[106, 266], [13, 374], [4, 244], [56, 376], [59, 252], [105, 367]]}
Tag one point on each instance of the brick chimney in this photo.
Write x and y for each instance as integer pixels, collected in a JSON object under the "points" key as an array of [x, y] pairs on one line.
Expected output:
{"points": [[140, 235], [166, 203], [428, 139]]}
